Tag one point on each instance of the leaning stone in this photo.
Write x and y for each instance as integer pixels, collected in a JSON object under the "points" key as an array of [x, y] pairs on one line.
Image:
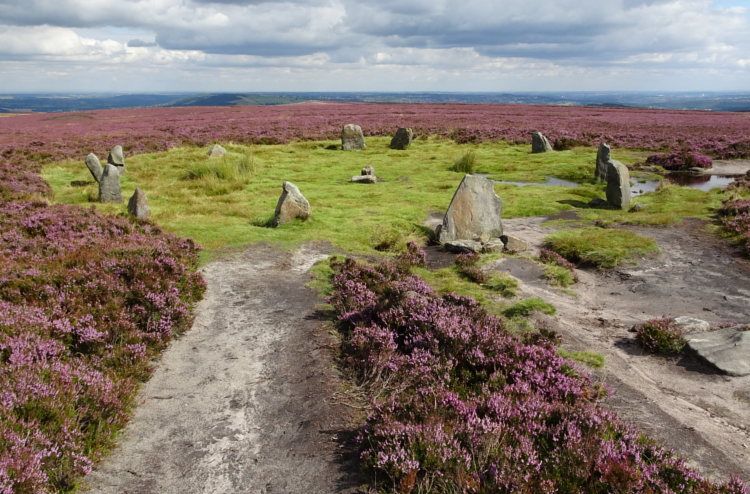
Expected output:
{"points": [[692, 325], [368, 170], [602, 162], [513, 243], [402, 139], [138, 205], [292, 204], [216, 151], [116, 157], [539, 143], [618, 185], [474, 211], [728, 349], [597, 202], [364, 179], [352, 138], [92, 163], [463, 246], [494, 246], [109, 185]]}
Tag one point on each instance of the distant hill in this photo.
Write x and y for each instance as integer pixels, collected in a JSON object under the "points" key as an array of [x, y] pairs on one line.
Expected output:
{"points": [[235, 100]]}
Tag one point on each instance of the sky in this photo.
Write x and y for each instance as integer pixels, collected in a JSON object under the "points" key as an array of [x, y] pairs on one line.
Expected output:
{"points": [[380, 45]]}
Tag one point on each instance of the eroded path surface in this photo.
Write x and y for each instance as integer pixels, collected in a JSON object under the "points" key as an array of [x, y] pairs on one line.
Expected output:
{"points": [[245, 401]]}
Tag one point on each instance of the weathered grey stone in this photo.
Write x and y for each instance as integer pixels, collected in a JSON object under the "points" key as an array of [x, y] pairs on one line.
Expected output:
{"points": [[138, 205], [292, 204], [463, 246], [368, 170], [402, 139], [116, 157], [692, 325], [109, 185], [513, 243], [364, 179], [597, 202], [92, 163], [639, 207], [539, 143], [728, 349], [618, 185], [216, 151], [602, 162], [352, 138], [474, 211], [494, 246]]}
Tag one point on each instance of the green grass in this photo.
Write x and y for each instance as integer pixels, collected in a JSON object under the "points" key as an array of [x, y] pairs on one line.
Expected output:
{"points": [[524, 308], [502, 283], [602, 247], [466, 163], [586, 357], [559, 276]]}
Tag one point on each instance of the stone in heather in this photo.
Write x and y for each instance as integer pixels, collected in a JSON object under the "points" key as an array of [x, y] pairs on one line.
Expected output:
{"points": [[402, 139], [109, 185], [618, 186], [94, 166], [292, 204], [368, 170], [116, 158], [728, 349], [603, 156], [474, 211], [138, 205], [365, 179], [216, 151], [352, 138], [463, 246], [539, 143]]}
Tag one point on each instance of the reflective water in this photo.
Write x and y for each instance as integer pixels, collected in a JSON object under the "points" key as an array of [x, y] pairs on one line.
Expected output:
{"points": [[700, 182], [551, 181]]}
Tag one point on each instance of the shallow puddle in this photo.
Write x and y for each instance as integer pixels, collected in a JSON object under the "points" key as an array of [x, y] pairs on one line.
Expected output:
{"points": [[700, 182], [551, 181]]}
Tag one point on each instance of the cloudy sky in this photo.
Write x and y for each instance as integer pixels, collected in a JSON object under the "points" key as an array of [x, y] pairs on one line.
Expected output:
{"points": [[379, 45]]}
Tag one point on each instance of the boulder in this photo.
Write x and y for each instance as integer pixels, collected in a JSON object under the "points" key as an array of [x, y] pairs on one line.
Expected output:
{"points": [[474, 211], [513, 243], [138, 205], [116, 158], [493, 246], [109, 185], [365, 179], [292, 204], [368, 170], [727, 349], [402, 139], [92, 163], [597, 202], [618, 185], [352, 138], [216, 151], [603, 156], [539, 143], [463, 246]]}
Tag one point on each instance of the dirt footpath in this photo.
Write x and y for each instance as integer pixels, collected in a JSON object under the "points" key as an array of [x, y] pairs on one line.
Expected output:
{"points": [[245, 401]]}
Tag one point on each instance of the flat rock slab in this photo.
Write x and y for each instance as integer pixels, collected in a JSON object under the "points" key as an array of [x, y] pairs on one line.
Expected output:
{"points": [[692, 325], [463, 246], [727, 349], [365, 179]]}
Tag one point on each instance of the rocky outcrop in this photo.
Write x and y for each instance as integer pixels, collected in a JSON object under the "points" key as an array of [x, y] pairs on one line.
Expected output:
{"points": [[292, 204], [618, 186], [94, 166], [216, 151], [352, 138], [727, 349], [402, 139], [539, 143], [138, 205], [603, 156], [109, 185], [475, 212]]}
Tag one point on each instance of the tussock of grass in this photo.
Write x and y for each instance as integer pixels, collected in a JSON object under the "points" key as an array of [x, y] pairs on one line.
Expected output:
{"points": [[559, 276], [466, 163], [503, 283], [524, 308], [228, 169], [602, 247], [586, 357]]}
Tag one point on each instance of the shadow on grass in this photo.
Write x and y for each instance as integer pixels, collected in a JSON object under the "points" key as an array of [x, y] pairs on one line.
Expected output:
{"points": [[578, 204], [266, 222]]}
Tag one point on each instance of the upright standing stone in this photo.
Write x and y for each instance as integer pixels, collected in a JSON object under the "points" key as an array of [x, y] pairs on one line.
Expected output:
{"points": [[352, 138], [539, 143], [92, 163], [602, 162], [109, 185], [216, 151], [368, 170], [618, 185], [117, 158], [402, 139], [474, 213], [138, 205], [292, 204]]}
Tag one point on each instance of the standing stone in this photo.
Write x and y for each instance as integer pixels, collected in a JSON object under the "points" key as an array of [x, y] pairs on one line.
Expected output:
{"points": [[138, 205], [368, 170], [216, 151], [352, 138], [402, 139], [109, 185], [618, 185], [92, 163], [602, 162], [117, 158], [292, 204], [539, 143], [474, 211]]}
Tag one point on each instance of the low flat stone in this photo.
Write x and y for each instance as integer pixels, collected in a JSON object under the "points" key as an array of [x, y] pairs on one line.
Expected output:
{"points": [[475, 210], [463, 246], [216, 151], [292, 204], [116, 157], [352, 138], [539, 143], [138, 205], [368, 170], [494, 246], [692, 325], [603, 155], [365, 179], [597, 202], [727, 349], [94, 166], [109, 185], [618, 185], [402, 139], [639, 207], [513, 243]]}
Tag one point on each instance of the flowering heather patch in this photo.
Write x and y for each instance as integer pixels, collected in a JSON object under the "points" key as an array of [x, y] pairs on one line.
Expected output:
{"points": [[660, 336], [86, 300], [414, 256], [742, 183], [551, 257], [680, 160], [17, 182], [464, 406], [467, 267]]}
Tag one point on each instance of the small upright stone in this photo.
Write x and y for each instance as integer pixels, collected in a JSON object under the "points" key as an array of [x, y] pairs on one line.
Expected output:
{"points": [[92, 163], [475, 211], [618, 185], [109, 185], [368, 170], [352, 138], [539, 143], [138, 205], [292, 204], [216, 151], [117, 159], [602, 162], [402, 139]]}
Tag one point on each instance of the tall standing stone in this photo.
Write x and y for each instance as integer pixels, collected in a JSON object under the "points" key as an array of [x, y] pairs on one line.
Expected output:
{"points": [[92, 163], [117, 159], [292, 204], [402, 139], [352, 138], [109, 185], [618, 185], [138, 205], [475, 213], [539, 143], [602, 162]]}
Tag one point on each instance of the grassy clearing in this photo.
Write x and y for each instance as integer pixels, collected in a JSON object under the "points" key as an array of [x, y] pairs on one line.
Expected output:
{"points": [[586, 357], [602, 247]]}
